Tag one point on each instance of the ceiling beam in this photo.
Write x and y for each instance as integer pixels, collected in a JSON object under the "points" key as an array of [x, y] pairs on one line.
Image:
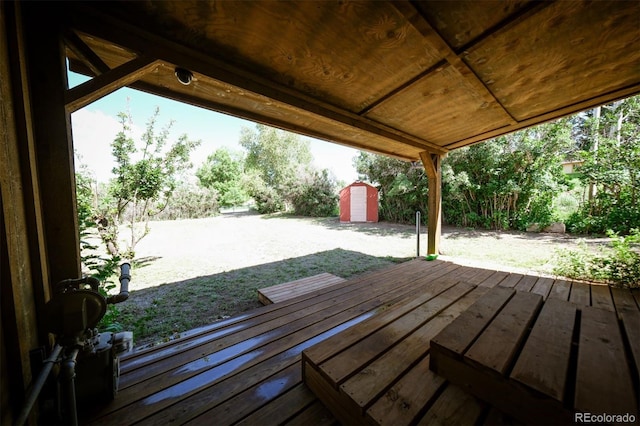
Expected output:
{"points": [[255, 116], [84, 52], [100, 86], [439, 66], [513, 20], [78, 66], [419, 22], [106, 27], [553, 115]]}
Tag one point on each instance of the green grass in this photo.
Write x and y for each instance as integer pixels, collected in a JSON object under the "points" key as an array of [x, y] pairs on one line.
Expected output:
{"points": [[161, 313], [566, 203], [193, 273]]}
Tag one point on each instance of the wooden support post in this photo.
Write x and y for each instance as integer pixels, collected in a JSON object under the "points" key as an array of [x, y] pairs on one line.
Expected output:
{"points": [[47, 82], [432, 165], [18, 257]]}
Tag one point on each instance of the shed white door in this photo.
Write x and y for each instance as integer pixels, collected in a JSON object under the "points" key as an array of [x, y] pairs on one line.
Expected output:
{"points": [[358, 204]]}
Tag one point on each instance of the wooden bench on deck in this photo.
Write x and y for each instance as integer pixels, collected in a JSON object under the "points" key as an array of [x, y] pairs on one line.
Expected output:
{"points": [[291, 289], [541, 362]]}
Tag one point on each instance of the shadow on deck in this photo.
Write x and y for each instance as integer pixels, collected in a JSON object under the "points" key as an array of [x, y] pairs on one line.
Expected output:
{"points": [[248, 369]]}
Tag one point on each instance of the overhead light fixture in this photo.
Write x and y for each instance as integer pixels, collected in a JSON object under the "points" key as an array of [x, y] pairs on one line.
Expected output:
{"points": [[184, 76]]}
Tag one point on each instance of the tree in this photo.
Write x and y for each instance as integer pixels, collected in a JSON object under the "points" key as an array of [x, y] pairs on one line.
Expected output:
{"points": [[508, 182], [277, 155], [612, 166], [143, 185], [316, 195], [402, 188], [274, 160], [222, 171]]}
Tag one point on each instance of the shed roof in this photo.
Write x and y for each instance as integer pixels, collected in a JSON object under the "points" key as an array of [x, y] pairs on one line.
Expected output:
{"points": [[392, 77], [360, 183]]}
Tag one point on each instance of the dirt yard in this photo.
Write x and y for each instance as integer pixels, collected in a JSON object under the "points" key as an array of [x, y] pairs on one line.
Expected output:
{"points": [[183, 249], [190, 273]]}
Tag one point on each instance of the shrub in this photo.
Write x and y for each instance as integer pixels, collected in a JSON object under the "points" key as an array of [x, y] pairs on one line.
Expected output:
{"points": [[268, 200], [604, 213], [190, 202], [618, 265], [316, 195], [508, 182], [612, 168], [95, 264]]}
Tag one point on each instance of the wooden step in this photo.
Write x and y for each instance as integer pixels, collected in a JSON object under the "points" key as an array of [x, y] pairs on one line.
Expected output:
{"points": [[365, 374], [291, 289], [540, 361]]}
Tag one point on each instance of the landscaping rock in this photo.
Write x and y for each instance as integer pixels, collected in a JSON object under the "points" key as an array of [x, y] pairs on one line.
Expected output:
{"points": [[556, 228], [534, 227]]}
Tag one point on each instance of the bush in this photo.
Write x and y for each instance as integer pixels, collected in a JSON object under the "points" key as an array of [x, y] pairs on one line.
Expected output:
{"points": [[268, 200], [316, 195], [566, 203], [618, 265], [104, 267], [508, 182], [603, 214], [190, 202]]}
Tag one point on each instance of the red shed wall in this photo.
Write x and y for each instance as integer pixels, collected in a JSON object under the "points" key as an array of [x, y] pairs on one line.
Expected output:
{"points": [[345, 204], [372, 202]]}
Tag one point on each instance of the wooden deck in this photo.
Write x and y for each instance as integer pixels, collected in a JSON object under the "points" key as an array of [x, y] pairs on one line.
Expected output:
{"points": [[248, 369]]}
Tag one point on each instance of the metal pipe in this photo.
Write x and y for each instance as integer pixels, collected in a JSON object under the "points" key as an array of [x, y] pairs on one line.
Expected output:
{"points": [[38, 384], [68, 373], [418, 233], [125, 277]]}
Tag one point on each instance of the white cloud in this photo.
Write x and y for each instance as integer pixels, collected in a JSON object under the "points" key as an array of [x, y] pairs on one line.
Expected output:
{"points": [[93, 132], [337, 158]]}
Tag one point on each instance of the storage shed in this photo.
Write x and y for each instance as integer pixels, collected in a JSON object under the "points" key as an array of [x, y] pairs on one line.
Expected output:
{"points": [[359, 203]]}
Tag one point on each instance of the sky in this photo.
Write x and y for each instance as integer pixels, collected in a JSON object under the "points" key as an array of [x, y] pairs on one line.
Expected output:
{"points": [[95, 126]]}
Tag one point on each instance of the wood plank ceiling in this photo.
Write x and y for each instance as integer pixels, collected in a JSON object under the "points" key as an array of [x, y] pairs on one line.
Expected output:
{"points": [[393, 77]]}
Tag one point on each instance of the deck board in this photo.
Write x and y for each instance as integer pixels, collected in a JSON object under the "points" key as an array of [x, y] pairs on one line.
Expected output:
{"points": [[540, 388], [453, 407], [498, 344], [543, 364], [316, 414], [512, 280], [350, 360], [623, 301], [248, 369], [282, 408], [601, 360], [291, 289], [543, 287], [601, 297], [403, 402], [560, 290], [368, 384], [580, 294]]}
